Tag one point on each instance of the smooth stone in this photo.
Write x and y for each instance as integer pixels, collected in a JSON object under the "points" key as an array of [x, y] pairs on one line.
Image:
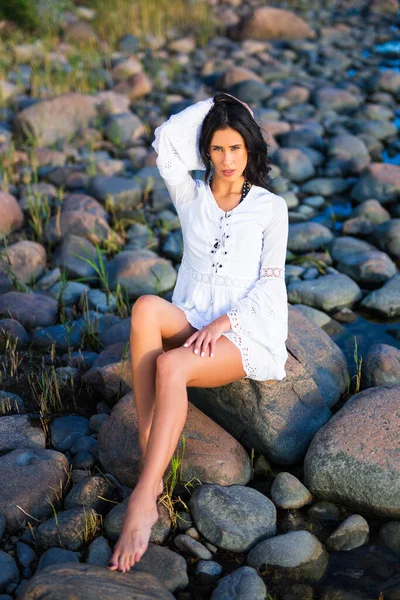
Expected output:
{"points": [[341, 247], [368, 268], [25, 259], [100, 552], [30, 480], [299, 553], [211, 454], [351, 533], [218, 513], [381, 366], [380, 181], [385, 301], [367, 418], [15, 332], [267, 22], [110, 375], [11, 218], [308, 236], [325, 186], [91, 492], [387, 237], [118, 332], [17, 431], [84, 581], [82, 224], [124, 130], [73, 255], [63, 337], [124, 193], [31, 310], [83, 443], [242, 584], [390, 535], [294, 164], [96, 421], [288, 492], [55, 556], [83, 460], [191, 547], [10, 403], [25, 554], [69, 294], [9, 572], [328, 293], [114, 521], [168, 566]]}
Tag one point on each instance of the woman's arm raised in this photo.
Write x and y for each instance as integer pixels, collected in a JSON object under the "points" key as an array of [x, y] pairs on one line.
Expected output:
{"points": [[176, 143]]}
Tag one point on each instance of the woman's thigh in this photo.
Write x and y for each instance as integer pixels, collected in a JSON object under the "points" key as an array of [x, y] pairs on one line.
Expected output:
{"points": [[224, 367], [174, 327]]}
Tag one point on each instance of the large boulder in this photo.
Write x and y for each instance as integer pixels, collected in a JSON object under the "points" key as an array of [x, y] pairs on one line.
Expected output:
{"points": [[268, 23], [56, 119], [354, 459], [210, 454], [30, 481], [89, 582]]}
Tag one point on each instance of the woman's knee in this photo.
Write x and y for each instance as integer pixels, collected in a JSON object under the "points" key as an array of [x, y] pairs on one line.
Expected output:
{"points": [[145, 307], [167, 366]]}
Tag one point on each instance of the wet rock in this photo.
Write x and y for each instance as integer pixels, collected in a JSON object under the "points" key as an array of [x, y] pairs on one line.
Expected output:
{"points": [[58, 118], [220, 516], [272, 23], [387, 237], [14, 332], [17, 431], [308, 236], [56, 556], [31, 310], [68, 530], [191, 547], [91, 492], [9, 572], [140, 272], [328, 293], [11, 216], [99, 552], [386, 300], [211, 454], [30, 480], [366, 419], [114, 521], [353, 532], [299, 553], [288, 492], [84, 581], [380, 181], [242, 584], [381, 366]]}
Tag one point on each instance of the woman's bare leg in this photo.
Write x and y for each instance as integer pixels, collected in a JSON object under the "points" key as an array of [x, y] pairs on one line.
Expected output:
{"points": [[176, 370], [156, 324]]}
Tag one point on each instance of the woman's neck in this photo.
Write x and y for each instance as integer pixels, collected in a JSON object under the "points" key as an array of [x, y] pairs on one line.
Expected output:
{"points": [[226, 188]]}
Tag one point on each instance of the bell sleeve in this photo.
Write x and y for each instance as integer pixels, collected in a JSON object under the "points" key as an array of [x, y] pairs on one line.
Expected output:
{"points": [[176, 144], [263, 313]]}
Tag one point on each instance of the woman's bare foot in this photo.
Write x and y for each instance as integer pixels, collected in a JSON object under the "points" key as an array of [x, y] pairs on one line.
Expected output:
{"points": [[140, 516]]}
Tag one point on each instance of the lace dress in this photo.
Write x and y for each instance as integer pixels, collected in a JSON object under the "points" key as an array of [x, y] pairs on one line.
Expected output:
{"points": [[233, 262]]}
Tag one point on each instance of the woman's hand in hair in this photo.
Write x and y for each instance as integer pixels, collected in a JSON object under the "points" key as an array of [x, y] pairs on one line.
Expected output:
{"points": [[241, 102], [205, 339]]}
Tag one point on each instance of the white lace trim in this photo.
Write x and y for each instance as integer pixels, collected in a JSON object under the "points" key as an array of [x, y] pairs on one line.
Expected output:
{"points": [[216, 279], [244, 351], [273, 272]]}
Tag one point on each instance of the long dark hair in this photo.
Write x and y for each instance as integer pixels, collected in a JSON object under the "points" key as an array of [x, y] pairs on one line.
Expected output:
{"points": [[229, 112]]}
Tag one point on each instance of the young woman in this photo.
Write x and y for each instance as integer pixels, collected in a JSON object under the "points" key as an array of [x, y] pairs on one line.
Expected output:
{"points": [[228, 317]]}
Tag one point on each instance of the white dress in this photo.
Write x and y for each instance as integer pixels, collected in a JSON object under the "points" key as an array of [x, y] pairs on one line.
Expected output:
{"points": [[233, 262]]}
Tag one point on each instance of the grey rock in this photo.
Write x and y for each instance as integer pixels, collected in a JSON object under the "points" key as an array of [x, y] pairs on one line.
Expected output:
{"points": [[308, 236], [30, 481], [386, 300], [294, 164], [11, 214], [96, 421], [325, 511], [219, 515], [91, 493], [328, 293], [114, 520], [381, 366], [26, 260], [99, 552], [17, 431], [12, 331], [83, 443], [370, 267], [191, 547], [25, 554], [242, 584], [83, 460], [100, 302], [325, 186], [331, 462], [124, 193], [288, 492], [168, 566], [73, 255], [387, 237], [56, 556], [379, 181], [341, 247], [208, 572], [9, 572], [124, 130], [67, 530], [31, 310], [70, 293], [119, 332], [352, 533], [390, 535], [3, 525], [10, 403], [64, 337], [299, 552]]}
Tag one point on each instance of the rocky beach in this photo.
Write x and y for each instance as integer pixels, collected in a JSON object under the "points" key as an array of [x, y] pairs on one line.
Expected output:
{"points": [[279, 490]]}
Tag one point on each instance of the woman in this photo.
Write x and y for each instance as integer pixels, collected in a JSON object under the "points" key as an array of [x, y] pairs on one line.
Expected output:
{"points": [[228, 317]]}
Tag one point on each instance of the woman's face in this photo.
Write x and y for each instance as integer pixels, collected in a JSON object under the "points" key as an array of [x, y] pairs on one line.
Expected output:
{"points": [[228, 153]]}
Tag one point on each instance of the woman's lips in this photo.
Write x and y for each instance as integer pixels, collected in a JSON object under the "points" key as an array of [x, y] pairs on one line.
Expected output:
{"points": [[227, 173]]}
